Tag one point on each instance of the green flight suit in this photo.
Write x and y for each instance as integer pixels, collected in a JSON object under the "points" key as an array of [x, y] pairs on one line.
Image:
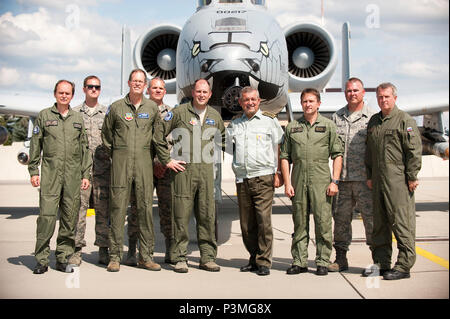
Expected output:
{"points": [[393, 157], [199, 145], [66, 160], [127, 132], [309, 148]]}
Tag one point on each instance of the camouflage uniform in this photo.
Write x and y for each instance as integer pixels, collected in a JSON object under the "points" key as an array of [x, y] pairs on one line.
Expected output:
{"points": [[97, 195], [163, 191], [353, 190]]}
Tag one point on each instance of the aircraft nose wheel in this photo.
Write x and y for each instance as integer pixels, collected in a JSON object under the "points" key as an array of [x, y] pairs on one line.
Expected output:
{"points": [[230, 99]]}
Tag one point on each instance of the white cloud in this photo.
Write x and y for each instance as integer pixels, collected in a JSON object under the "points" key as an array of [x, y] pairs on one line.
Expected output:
{"points": [[423, 70], [43, 81], [9, 76]]}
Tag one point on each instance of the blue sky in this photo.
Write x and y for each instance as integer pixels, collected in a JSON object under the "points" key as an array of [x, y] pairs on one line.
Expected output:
{"points": [[40, 42]]}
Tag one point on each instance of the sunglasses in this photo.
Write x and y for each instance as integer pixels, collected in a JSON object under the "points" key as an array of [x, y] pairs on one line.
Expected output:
{"points": [[90, 87]]}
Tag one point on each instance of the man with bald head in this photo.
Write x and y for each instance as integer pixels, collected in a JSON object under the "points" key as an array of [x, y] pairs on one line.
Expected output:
{"points": [[198, 132]]}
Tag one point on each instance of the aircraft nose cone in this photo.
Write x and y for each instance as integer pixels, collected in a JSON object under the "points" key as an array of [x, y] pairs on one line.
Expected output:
{"points": [[303, 57], [167, 59]]}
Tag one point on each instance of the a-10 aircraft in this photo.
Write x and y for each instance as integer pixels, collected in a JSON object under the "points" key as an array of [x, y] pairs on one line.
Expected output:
{"points": [[235, 43]]}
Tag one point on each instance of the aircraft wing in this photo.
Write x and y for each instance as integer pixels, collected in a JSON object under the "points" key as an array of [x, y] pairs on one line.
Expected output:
{"points": [[24, 105], [414, 105]]}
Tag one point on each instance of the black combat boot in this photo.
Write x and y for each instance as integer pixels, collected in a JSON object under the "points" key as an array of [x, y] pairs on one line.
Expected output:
{"points": [[341, 262]]}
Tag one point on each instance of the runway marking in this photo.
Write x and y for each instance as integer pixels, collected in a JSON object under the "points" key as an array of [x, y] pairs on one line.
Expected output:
{"points": [[424, 253], [436, 259]]}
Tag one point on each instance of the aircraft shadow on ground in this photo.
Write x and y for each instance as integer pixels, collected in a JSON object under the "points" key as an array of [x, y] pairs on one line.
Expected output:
{"points": [[19, 212], [434, 206]]}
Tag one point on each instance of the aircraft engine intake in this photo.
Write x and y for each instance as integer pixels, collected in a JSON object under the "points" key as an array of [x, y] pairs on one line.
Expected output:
{"points": [[312, 56], [155, 52], [3, 135], [24, 156]]}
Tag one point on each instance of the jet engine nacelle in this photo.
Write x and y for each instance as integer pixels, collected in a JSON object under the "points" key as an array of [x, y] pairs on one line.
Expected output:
{"points": [[312, 56], [24, 156], [3, 135], [155, 52]]}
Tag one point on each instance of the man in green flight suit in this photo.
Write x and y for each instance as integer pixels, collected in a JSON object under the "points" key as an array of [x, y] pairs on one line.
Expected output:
{"points": [[309, 143], [198, 133], [66, 161], [127, 133], [393, 160]]}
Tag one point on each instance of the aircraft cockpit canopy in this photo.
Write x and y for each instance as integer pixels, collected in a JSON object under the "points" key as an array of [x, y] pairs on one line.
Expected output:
{"points": [[202, 3]]}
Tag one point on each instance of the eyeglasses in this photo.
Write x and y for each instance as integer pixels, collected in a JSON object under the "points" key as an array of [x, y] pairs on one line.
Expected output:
{"points": [[90, 87]]}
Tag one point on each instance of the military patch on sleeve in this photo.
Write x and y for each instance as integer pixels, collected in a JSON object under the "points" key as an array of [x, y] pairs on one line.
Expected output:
{"points": [[169, 116], [320, 129], [271, 115], [77, 125], [298, 129], [36, 130], [210, 122], [143, 116], [409, 129], [51, 123]]}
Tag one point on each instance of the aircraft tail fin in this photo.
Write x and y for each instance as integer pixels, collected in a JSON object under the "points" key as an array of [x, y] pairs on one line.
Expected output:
{"points": [[125, 59]]}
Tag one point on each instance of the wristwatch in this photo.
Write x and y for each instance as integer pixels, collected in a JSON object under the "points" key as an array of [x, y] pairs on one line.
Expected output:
{"points": [[336, 181]]}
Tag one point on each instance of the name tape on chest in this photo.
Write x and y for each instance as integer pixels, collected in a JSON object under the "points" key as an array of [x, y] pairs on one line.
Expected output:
{"points": [[77, 125], [320, 129], [298, 129], [143, 116], [51, 123], [210, 122]]}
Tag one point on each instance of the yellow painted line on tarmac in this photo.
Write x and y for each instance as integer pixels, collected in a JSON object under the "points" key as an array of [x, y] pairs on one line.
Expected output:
{"points": [[436, 259], [90, 212], [424, 253]]}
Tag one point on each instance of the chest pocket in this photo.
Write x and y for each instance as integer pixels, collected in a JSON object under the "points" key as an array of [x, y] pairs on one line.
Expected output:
{"points": [[392, 146]]}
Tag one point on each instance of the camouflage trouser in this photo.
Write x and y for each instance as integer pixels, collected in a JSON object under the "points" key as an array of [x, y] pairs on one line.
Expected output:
{"points": [[163, 192], [96, 196], [352, 195]]}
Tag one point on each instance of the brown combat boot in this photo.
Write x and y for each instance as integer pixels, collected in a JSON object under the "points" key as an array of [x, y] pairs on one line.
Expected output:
{"points": [[131, 256], [149, 265], [341, 262], [113, 266], [75, 259]]}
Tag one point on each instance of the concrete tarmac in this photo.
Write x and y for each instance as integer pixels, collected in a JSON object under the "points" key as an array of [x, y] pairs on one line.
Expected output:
{"points": [[19, 211]]}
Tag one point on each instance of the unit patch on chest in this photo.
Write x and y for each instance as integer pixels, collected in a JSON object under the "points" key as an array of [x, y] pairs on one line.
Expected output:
{"points": [[129, 116], [193, 121]]}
